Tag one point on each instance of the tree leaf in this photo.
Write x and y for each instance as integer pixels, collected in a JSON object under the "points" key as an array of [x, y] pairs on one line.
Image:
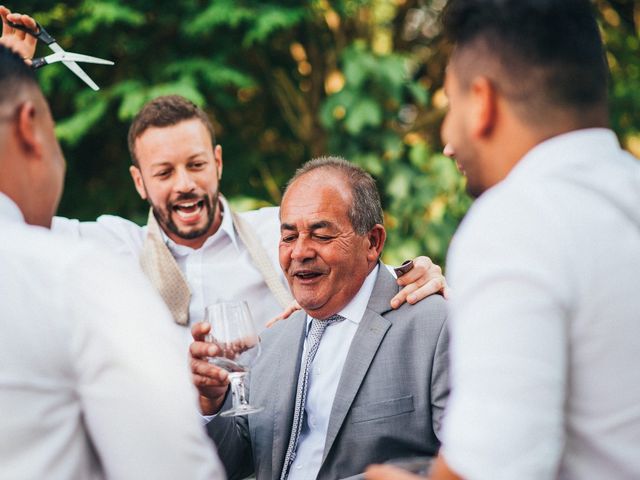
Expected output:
{"points": [[364, 112]]}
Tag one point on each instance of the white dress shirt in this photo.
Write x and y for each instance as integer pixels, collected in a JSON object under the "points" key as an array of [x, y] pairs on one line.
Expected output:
{"points": [[545, 322], [89, 364], [326, 369], [221, 270]]}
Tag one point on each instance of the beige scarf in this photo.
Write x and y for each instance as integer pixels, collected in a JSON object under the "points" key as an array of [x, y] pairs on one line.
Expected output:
{"points": [[161, 268]]}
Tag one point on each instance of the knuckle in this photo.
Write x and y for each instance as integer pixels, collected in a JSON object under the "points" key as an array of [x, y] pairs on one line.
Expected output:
{"points": [[196, 351], [400, 297], [412, 287], [437, 269], [424, 260]]}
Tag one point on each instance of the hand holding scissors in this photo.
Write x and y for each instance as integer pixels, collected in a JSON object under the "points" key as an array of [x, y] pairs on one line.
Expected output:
{"points": [[60, 55], [17, 40]]}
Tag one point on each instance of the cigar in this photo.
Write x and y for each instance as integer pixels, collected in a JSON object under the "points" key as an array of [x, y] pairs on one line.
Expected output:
{"points": [[404, 268]]}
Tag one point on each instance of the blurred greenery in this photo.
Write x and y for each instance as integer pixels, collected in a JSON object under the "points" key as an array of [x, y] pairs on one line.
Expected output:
{"points": [[283, 82]]}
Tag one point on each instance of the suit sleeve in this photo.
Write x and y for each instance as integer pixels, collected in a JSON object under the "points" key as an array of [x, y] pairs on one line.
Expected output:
{"points": [[440, 380], [233, 441]]}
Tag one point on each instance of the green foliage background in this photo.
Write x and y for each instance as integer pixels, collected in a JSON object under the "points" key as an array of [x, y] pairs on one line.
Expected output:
{"points": [[285, 81]]}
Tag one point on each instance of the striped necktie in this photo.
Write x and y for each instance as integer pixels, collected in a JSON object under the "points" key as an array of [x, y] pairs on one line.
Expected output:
{"points": [[313, 341]]}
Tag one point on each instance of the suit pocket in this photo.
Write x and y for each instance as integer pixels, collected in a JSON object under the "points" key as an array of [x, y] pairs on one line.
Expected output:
{"points": [[384, 409]]}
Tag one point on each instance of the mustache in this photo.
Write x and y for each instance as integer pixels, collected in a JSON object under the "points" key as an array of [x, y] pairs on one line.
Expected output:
{"points": [[304, 269], [188, 196]]}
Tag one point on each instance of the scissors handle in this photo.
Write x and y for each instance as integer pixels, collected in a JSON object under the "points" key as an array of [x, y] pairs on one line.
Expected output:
{"points": [[36, 63], [41, 34]]}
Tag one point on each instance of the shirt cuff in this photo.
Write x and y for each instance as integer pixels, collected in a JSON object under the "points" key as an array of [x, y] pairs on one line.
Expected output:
{"points": [[205, 419]]}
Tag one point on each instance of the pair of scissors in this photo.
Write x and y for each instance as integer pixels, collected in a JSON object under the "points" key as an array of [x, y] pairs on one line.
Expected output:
{"points": [[60, 55]]}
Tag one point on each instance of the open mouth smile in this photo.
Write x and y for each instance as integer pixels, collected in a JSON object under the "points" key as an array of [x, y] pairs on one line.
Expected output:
{"points": [[189, 211], [306, 276]]}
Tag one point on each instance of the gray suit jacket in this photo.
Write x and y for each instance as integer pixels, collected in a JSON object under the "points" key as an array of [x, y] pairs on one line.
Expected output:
{"points": [[389, 401]]}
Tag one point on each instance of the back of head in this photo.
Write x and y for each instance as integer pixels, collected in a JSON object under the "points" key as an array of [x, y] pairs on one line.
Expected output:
{"points": [[31, 162], [162, 112], [544, 56], [15, 79]]}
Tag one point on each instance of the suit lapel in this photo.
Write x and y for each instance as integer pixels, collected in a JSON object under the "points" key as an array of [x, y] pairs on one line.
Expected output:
{"points": [[290, 344], [364, 346]]}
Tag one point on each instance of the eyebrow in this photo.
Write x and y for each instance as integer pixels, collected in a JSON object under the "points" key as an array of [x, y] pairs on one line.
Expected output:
{"points": [[314, 226], [321, 224], [161, 164], [190, 158]]}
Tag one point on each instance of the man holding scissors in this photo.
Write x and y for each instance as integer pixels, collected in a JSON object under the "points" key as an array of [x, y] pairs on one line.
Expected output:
{"points": [[23, 29]]}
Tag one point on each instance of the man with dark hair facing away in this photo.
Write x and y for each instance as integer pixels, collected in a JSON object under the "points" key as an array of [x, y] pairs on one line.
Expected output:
{"points": [[544, 354], [84, 393]]}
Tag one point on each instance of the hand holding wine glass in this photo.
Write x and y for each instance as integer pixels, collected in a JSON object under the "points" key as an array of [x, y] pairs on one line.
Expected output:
{"points": [[238, 346], [211, 381]]}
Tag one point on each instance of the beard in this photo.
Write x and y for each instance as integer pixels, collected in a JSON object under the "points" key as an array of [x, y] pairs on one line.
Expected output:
{"points": [[165, 219], [467, 161]]}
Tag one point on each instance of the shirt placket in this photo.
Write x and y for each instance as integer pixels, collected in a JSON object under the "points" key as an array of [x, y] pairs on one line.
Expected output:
{"points": [[194, 272]]}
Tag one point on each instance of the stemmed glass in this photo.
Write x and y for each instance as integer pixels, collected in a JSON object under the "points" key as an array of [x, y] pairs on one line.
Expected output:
{"points": [[233, 331]]}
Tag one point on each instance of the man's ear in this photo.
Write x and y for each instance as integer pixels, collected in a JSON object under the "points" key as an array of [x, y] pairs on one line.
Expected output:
{"points": [[136, 175], [217, 154], [483, 103], [27, 131], [376, 238]]}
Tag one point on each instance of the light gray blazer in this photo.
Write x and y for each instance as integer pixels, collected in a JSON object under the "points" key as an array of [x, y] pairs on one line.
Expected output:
{"points": [[389, 402]]}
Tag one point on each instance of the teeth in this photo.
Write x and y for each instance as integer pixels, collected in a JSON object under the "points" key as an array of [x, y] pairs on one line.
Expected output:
{"points": [[188, 215], [306, 275], [186, 205]]}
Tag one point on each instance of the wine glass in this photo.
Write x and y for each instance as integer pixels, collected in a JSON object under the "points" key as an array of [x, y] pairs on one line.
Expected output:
{"points": [[233, 331]]}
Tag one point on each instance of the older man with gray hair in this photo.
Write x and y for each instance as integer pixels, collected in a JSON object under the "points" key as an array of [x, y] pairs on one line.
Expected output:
{"points": [[369, 383]]}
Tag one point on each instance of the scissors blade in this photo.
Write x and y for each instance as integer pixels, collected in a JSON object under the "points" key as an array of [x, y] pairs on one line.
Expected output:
{"points": [[78, 57], [56, 48], [74, 67]]}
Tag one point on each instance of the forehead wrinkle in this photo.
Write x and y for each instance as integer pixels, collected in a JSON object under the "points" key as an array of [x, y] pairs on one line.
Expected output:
{"points": [[311, 200]]}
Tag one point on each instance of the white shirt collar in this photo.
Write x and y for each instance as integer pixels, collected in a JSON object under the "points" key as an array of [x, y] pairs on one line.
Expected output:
{"points": [[576, 147], [226, 227], [9, 210], [354, 310]]}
